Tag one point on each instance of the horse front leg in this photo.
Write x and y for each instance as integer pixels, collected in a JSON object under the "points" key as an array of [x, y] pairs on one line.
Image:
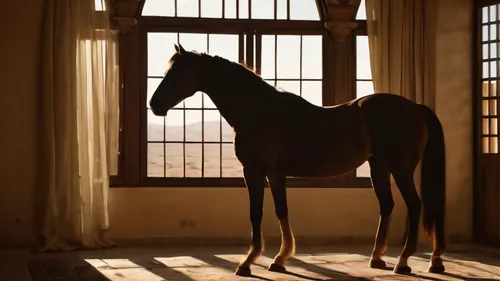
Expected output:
{"points": [[255, 181], [278, 188]]}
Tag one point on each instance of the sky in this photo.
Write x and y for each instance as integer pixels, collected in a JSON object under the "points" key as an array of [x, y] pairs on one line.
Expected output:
{"points": [[161, 48]]}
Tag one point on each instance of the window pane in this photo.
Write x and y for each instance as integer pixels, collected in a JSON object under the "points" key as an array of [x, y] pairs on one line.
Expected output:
{"points": [[187, 8], [485, 90], [485, 15], [364, 88], [288, 56], [486, 126], [363, 70], [212, 125], [156, 164], [303, 10], [494, 126], [155, 127], [493, 13], [493, 69], [485, 70], [268, 50], [99, 5], [224, 45], [485, 107], [174, 123], [289, 86], [493, 107], [211, 8], [486, 145], [230, 9], [262, 9], [243, 9], [193, 125], [485, 51], [494, 145], [160, 50], [231, 166], [282, 10], [493, 88], [312, 57], [194, 41], [493, 32], [194, 101], [493, 50], [312, 92], [485, 33], [227, 131], [211, 160], [175, 160], [165, 8], [361, 15], [363, 171], [193, 160]]}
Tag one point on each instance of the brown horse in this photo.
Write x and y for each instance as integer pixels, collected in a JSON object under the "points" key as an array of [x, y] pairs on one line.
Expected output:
{"points": [[279, 134]]}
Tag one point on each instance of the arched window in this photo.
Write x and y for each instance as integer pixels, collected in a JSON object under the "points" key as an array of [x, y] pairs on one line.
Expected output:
{"points": [[285, 41]]}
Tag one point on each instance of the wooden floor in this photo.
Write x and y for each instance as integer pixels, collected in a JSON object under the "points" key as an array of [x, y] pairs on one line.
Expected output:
{"points": [[466, 262]]}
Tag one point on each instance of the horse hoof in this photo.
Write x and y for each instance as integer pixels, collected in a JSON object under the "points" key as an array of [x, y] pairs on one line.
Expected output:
{"points": [[379, 264], [436, 269], [243, 271], [402, 269], [276, 268]]}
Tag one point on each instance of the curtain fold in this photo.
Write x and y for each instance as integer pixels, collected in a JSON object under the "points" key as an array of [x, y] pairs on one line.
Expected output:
{"points": [[400, 36], [79, 119]]}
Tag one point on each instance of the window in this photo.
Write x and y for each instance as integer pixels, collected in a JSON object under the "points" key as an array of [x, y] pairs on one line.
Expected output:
{"points": [[284, 41], [194, 140], [234, 9], [490, 43], [364, 83]]}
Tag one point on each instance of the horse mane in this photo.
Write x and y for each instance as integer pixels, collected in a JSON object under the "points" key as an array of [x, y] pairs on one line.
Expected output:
{"points": [[243, 72]]}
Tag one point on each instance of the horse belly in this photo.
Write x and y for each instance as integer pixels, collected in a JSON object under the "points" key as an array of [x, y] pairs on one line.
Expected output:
{"points": [[324, 156]]}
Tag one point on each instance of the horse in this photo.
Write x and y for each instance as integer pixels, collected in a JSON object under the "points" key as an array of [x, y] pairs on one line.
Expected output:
{"points": [[278, 134]]}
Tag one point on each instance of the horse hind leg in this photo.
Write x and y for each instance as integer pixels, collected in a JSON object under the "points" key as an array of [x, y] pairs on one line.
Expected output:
{"points": [[406, 185], [380, 177], [438, 237], [436, 262], [287, 249]]}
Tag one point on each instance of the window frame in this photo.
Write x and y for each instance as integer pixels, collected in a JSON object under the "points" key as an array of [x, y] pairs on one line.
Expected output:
{"points": [[132, 166]]}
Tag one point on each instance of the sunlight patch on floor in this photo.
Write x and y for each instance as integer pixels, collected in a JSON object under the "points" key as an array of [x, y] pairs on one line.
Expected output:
{"points": [[182, 261], [127, 270], [195, 269]]}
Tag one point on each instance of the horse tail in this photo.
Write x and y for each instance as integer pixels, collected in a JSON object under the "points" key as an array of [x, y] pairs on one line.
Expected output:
{"points": [[433, 178]]}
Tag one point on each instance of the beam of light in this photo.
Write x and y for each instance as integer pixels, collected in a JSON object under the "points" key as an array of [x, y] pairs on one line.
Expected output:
{"points": [[123, 269], [195, 269]]}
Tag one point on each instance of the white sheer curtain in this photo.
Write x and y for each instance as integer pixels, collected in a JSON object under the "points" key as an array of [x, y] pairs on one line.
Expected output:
{"points": [[79, 123]]}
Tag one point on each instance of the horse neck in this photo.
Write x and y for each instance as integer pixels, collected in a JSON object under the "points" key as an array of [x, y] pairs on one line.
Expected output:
{"points": [[233, 92]]}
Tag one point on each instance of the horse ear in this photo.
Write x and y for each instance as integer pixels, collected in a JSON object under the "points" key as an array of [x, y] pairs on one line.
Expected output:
{"points": [[181, 49]]}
